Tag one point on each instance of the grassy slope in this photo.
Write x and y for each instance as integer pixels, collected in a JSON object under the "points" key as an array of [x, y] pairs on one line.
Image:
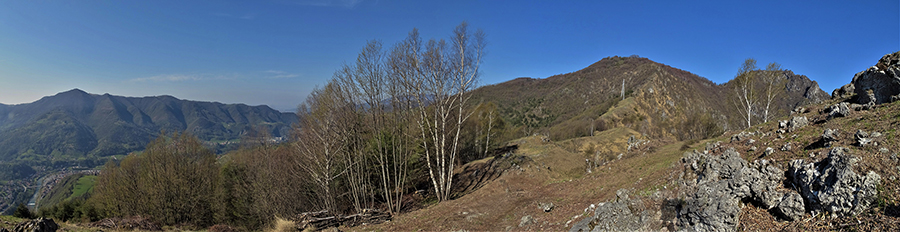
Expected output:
{"points": [[556, 175]]}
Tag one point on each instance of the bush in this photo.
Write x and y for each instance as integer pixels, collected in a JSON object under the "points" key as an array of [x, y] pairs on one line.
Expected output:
{"points": [[23, 212]]}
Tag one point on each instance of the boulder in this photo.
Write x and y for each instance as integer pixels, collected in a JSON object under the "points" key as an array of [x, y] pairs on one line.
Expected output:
{"points": [[791, 207], [526, 221], [864, 139], [845, 91], [831, 185], [621, 214], [37, 225], [880, 83], [829, 136], [796, 123], [838, 110]]}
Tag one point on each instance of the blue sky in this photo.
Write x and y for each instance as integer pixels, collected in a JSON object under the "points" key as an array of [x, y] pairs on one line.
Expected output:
{"points": [[274, 52]]}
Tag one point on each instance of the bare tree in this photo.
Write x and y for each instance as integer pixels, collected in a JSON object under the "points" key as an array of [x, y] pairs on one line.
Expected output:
{"points": [[321, 142], [446, 73], [772, 78], [746, 97]]}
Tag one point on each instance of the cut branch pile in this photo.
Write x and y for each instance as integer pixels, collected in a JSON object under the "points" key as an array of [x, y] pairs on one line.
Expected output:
{"points": [[324, 219]]}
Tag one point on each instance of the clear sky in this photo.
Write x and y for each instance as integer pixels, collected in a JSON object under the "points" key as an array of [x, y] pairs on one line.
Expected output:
{"points": [[274, 52]]}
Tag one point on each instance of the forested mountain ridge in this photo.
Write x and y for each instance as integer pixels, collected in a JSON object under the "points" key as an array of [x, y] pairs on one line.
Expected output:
{"points": [[75, 124], [652, 98]]}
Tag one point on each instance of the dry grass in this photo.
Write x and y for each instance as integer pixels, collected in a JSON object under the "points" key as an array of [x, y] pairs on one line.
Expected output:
{"points": [[284, 225], [555, 174]]}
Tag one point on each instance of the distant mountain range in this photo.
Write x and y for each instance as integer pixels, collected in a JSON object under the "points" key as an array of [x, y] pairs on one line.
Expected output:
{"points": [[659, 100], [75, 124]]}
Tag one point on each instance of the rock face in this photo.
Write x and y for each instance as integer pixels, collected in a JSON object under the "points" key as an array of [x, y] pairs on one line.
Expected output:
{"points": [[722, 182], [832, 186], [880, 83], [37, 225]]}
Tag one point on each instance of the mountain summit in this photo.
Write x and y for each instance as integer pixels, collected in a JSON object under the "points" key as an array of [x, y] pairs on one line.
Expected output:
{"points": [[652, 98], [75, 124]]}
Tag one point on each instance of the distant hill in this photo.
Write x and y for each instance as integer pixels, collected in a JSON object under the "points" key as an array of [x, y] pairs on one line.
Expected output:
{"points": [[659, 101], [75, 124]]}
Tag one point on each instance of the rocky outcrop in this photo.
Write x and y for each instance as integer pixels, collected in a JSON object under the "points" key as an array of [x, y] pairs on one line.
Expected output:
{"points": [[622, 214], [37, 225], [722, 182], [832, 186], [880, 83], [845, 91]]}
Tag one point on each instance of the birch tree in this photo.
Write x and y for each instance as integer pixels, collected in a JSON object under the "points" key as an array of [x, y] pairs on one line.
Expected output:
{"points": [[446, 72], [774, 84], [745, 96]]}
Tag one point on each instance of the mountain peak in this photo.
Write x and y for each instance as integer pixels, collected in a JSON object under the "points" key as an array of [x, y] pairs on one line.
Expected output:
{"points": [[74, 91]]}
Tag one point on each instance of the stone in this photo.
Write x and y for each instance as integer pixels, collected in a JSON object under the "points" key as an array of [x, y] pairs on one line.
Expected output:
{"points": [[526, 221], [829, 136], [796, 123], [768, 151], [782, 124], [546, 207], [863, 139], [753, 148], [750, 141], [787, 147], [791, 207], [622, 214], [37, 225], [845, 91], [884, 150], [831, 185], [880, 83], [838, 110]]}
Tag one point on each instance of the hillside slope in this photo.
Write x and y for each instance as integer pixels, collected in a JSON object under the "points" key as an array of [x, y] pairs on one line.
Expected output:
{"points": [[665, 101], [75, 124], [661, 184]]}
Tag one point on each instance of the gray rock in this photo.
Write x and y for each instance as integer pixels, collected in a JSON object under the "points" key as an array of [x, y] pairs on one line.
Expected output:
{"points": [[37, 225], [880, 83], [838, 110], [829, 136], [753, 148], [864, 139], [710, 209], [741, 136], [787, 147], [831, 185], [782, 124], [622, 214], [526, 221], [546, 207], [769, 151], [791, 207], [722, 182], [845, 91], [884, 150], [796, 123]]}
